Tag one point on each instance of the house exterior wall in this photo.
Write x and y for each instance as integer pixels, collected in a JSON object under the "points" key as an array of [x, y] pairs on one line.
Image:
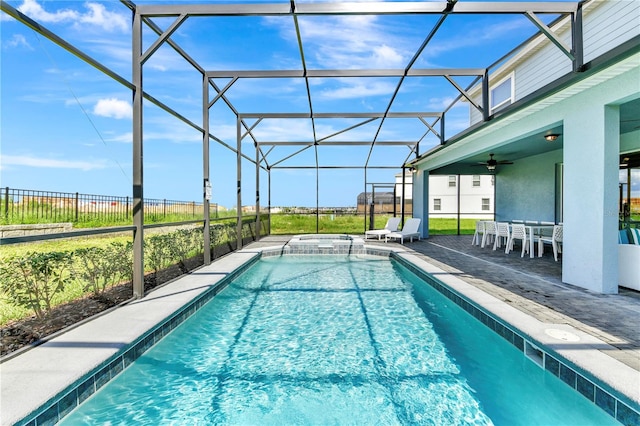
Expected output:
{"points": [[544, 62], [471, 197], [528, 190]]}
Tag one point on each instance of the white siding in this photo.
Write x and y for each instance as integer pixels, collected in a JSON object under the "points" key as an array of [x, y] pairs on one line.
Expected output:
{"points": [[606, 24], [610, 24]]}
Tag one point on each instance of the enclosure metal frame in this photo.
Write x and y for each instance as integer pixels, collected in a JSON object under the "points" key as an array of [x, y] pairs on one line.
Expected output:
{"points": [[144, 14]]}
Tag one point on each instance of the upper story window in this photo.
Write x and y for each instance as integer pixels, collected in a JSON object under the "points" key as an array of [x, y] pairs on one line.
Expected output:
{"points": [[502, 94], [452, 181], [476, 180]]}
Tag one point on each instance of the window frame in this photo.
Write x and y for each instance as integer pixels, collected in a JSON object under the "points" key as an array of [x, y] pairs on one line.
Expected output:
{"points": [[509, 100], [437, 204]]}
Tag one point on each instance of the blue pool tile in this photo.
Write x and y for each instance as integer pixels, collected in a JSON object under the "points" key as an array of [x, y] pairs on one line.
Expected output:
{"points": [[86, 389], [115, 367], [605, 401], [49, 417], [552, 365], [627, 416], [102, 377], [586, 388], [68, 403], [518, 342], [568, 375], [128, 358]]}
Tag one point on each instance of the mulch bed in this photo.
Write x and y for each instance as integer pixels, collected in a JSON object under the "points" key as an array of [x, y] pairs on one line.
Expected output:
{"points": [[28, 331]]}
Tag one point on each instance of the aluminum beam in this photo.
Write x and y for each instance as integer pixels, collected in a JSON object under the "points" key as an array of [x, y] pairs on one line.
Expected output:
{"points": [[348, 8], [418, 72]]}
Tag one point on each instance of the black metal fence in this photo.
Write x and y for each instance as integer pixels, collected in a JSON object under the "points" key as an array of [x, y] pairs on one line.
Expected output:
{"points": [[33, 206]]}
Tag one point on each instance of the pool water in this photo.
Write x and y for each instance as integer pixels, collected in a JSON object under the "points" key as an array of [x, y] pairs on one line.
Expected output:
{"points": [[334, 340]]}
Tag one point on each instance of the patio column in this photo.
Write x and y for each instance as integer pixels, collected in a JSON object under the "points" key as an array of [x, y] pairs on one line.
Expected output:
{"points": [[591, 152]]}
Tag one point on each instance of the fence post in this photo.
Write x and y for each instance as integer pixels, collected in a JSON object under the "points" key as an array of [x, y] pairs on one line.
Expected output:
{"points": [[164, 208], [127, 208], [6, 202], [193, 209], [76, 207]]}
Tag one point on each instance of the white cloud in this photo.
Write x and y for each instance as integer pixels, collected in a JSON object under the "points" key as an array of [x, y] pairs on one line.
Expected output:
{"points": [[99, 16], [353, 89], [32, 9], [95, 16], [17, 40], [113, 108], [28, 161]]}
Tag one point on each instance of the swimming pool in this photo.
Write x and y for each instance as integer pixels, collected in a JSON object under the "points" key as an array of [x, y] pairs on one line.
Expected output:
{"points": [[333, 339]]}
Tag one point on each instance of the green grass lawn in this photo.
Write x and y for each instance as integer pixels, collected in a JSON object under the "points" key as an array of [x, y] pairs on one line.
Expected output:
{"points": [[351, 224]]}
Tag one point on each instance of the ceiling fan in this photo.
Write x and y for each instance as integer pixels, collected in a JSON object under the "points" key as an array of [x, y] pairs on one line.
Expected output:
{"points": [[492, 163]]}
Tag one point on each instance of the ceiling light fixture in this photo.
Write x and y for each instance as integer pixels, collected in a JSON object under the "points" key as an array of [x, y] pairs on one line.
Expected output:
{"points": [[552, 137]]}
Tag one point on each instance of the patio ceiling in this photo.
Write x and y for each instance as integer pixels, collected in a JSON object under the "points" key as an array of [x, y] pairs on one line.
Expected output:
{"points": [[407, 106]]}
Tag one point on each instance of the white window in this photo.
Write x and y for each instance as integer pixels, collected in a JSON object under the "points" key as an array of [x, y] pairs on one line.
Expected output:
{"points": [[485, 204], [476, 180], [452, 181], [437, 204], [501, 94]]}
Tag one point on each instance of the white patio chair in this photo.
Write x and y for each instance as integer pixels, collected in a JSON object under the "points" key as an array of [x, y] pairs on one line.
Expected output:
{"points": [[391, 226], [479, 234], [518, 232], [409, 230], [489, 233], [502, 232], [555, 240]]}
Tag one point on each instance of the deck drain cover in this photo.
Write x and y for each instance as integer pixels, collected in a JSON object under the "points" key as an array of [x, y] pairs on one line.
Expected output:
{"points": [[562, 335]]}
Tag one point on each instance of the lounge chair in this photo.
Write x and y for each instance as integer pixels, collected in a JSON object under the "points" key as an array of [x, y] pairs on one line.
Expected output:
{"points": [[409, 230], [391, 226]]}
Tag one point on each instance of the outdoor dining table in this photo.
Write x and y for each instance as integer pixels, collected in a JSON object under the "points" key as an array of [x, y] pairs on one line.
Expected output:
{"points": [[531, 229]]}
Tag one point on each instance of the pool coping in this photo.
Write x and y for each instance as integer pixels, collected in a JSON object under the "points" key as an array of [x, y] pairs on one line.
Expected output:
{"points": [[33, 382]]}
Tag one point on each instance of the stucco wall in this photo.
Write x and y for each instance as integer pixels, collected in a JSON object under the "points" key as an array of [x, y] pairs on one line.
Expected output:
{"points": [[526, 189]]}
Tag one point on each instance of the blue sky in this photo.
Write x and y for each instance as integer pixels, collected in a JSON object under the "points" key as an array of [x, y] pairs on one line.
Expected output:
{"points": [[67, 127]]}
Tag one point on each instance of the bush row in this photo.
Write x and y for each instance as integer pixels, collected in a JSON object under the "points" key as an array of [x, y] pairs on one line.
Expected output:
{"points": [[34, 279]]}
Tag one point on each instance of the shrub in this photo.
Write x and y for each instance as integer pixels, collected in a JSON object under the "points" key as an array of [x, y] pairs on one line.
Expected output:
{"points": [[102, 267], [32, 280], [183, 243], [157, 251]]}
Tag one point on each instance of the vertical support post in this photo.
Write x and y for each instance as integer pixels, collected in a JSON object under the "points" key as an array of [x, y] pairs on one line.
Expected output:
{"points": [[577, 48], [442, 138], [317, 199], [402, 196], [6, 202], [206, 197], [257, 192], [395, 197], [239, 184], [486, 107], [365, 201], [458, 202], [138, 196], [77, 203], [269, 196]]}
